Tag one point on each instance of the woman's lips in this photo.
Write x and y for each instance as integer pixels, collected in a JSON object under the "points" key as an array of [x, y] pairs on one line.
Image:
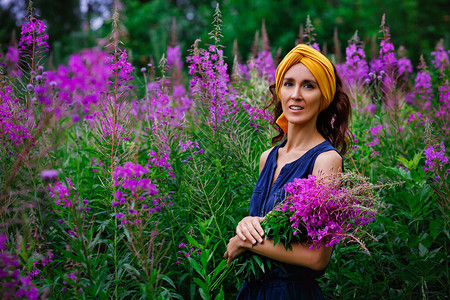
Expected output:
{"points": [[295, 108]]}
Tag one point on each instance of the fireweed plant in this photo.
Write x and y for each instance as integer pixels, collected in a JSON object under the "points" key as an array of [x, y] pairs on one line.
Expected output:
{"points": [[106, 169], [319, 212]]}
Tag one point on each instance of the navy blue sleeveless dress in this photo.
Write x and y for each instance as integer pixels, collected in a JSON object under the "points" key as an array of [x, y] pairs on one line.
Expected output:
{"points": [[293, 282]]}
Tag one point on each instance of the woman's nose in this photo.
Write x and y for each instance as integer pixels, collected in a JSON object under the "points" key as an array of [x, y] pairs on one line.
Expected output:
{"points": [[296, 92]]}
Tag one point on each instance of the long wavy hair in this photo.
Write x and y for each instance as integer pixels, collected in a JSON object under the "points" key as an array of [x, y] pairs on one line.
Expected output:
{"points": [[332, 122]]}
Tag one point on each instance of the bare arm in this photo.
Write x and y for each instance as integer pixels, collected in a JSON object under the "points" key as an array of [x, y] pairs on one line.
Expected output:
{"points": [[327, 163], [263, 159], [300, 254]]}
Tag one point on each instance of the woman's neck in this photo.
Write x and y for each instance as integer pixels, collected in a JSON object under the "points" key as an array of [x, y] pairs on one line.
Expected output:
{"points": [[302, 138]]}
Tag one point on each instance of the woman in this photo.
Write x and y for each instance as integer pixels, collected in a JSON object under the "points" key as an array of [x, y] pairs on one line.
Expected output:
{"points": [[312, 113]]}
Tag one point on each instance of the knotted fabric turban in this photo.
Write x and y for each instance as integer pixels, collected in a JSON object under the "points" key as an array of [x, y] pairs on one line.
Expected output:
{"points": [[318, 64]]}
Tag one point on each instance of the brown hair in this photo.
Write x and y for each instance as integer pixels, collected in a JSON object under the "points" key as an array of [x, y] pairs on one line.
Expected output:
{"points": [[332, 122]]}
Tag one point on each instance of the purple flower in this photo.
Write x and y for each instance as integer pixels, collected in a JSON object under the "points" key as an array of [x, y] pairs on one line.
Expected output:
{"points": [[387, 55], [63, 195], [12, 120], [256, 115], [81, 84], [376, 66], [375, 130], [178, 91], [324, 210], [3, 241], [121, 68], [33, 33], [404, 66], [49, 174], [185, 146], [440, 57], [414, 116], [71, 276], [355, 64], [422, 89], [107, 128], [264, 65], [135, 193], [75, 118], [174, 57], [241, 70], [12, 56], [15, 286], [444, 103], [12, 62], [161, 160], [371, 108], [435, 158], [210, 84]]}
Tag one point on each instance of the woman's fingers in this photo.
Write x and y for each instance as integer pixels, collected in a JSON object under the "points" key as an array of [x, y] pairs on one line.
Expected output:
{"points": [[254, 234], [250, 229], [246, 233], [257, 224], [240, 234], [235, 248]]}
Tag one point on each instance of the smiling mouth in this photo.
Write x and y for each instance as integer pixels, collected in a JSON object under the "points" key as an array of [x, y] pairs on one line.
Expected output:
{"points": [[295, 107]]}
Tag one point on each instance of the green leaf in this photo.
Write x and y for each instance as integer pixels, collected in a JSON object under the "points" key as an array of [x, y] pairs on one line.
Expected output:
{"points": [[413, 163], [196, 267], [205, 256], [199, 282], [404, 174], [70, 255], [242, 268], [219, 268], [435, 228], [193, 241], [203, 294], [422, 250], [220, 295], [131, 269], [169, 281], [259, 262], [252, 268]]}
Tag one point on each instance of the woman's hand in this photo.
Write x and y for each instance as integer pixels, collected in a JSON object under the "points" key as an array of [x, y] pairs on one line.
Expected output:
{"points": [[249, 229], [235, 248]]}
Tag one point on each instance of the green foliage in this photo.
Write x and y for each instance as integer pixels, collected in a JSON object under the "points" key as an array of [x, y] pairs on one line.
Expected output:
{"points": [[210, 193], [207, 282], [411, 232], [415, 24]]}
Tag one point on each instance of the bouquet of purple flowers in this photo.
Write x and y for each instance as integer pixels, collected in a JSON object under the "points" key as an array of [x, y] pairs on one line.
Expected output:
{"points": [[319, 211]]}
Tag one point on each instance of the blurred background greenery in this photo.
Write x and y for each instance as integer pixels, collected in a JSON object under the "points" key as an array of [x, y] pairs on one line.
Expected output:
{"points": [[75, 24]]}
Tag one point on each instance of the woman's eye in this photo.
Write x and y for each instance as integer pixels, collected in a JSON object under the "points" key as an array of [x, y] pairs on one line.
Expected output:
{"points": [[288, 84], [309, 86]]}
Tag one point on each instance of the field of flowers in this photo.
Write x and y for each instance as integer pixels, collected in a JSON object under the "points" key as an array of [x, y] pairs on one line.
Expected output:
{"points": [[126, 183]]}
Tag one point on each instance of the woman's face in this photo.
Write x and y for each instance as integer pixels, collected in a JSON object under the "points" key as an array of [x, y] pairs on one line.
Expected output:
{"points": [[300, 95]]}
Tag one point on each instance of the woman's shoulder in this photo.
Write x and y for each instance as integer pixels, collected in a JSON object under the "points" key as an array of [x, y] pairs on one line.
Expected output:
{"points": [[263, 158], [327, 162]]}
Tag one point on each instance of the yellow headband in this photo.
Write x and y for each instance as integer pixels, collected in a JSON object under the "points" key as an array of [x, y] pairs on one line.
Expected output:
{"points": [[318, 64]]}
